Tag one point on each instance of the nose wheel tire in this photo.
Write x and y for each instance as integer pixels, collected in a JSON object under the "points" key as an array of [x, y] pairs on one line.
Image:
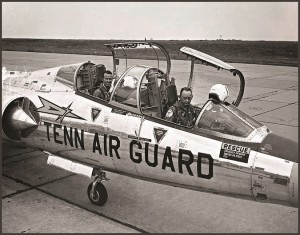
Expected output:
{"points": [[99, 197]]}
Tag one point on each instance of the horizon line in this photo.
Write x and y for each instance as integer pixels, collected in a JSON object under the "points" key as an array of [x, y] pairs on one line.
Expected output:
{"points": [[151, 39]]}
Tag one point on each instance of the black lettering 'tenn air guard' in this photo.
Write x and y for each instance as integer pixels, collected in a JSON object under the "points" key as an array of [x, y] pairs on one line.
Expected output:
{"points": [[109, 146], [68, 138], [185, 159], [113, 142]]}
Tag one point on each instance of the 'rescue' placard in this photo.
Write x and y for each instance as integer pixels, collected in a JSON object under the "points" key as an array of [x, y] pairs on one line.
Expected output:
{"points": [[235, 152]]}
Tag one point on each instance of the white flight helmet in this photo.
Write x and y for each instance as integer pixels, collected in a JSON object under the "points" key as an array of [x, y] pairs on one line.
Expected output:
{"points": [[219, 92], [130, 82]]}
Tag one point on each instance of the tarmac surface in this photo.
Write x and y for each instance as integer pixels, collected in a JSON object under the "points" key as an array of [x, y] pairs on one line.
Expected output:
{"points": [[37, 198]]}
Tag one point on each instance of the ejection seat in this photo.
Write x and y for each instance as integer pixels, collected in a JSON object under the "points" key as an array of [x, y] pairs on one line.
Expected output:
{"points": [[89, 77]]}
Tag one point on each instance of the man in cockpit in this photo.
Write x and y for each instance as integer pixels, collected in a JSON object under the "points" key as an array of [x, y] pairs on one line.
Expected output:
{"points": [[182, 112], [102, 91]]}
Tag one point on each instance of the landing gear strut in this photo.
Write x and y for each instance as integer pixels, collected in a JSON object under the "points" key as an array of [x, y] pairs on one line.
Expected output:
{"points": [[96, 190]]}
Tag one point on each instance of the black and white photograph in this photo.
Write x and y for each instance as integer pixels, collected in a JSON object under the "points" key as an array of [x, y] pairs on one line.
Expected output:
{"points": [[150, 117]]}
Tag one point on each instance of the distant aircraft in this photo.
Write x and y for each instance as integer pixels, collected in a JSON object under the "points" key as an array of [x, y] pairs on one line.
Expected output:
{"points": [[225, 151]]}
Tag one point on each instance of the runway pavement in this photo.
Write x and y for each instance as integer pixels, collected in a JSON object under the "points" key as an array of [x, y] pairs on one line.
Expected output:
{"points": [[40, 198]]}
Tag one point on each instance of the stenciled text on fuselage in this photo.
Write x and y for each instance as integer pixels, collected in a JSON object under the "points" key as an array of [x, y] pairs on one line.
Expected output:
{"points": [[139, 151]]}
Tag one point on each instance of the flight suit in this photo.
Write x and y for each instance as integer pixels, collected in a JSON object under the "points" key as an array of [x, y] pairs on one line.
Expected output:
{"points": [[102, 92], [182, 115]]}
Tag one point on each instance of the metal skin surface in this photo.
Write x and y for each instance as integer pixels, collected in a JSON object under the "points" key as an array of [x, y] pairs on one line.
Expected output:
{"points": [[128, 143]]}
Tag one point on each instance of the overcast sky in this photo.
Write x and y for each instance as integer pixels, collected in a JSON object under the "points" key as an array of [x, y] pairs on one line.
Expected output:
{"points": [[276, 21]]}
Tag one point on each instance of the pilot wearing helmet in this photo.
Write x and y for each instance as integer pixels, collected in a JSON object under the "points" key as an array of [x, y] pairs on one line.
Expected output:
{"points": [[182, 112]]}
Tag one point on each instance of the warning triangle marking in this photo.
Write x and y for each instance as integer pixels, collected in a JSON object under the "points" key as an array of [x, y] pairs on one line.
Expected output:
{"points": [[159, 133], [95, 113]]}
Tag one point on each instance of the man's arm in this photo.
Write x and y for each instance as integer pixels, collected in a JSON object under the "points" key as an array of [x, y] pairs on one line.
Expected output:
{"points": [[98, 93], [195, 112]]}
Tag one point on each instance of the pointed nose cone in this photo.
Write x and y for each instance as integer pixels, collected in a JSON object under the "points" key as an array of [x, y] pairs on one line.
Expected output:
{"points": [[21, 121]]}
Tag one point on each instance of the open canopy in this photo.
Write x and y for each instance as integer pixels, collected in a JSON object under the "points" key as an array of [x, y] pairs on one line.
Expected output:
{"points": [[236, 86], [127, 54], [206, 59]]}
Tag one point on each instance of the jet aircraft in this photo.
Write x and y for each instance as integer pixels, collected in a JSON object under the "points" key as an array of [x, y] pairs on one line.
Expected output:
{"points": [[226, 151]]}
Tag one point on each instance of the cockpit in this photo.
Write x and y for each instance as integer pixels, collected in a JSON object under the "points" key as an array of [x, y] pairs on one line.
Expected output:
{"points": [[85, 76], [148, 91], [225, 120], [89, 76], [144, 89]]}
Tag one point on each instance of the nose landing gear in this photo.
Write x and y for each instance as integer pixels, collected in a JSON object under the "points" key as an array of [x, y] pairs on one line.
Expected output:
{"points": [[96, 191]]}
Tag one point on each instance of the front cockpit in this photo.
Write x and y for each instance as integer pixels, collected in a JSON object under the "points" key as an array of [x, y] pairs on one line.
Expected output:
{"points": [[89, 76]]}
